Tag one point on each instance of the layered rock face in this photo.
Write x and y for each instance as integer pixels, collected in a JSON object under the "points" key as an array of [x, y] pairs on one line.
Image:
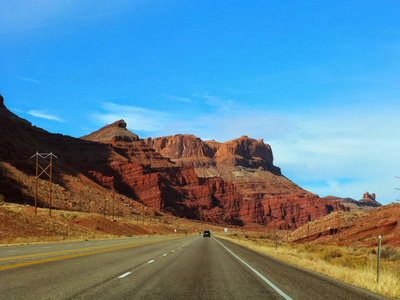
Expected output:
{"points": [[268, 197]]}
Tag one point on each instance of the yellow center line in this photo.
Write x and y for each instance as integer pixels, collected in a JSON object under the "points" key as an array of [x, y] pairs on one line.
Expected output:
{"points": [[78, 255], [66, 251]]}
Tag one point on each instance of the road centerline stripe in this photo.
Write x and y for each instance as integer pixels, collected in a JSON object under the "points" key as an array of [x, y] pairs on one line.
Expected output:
{"points": [[151, 261], [256, 272], [124, 275]]}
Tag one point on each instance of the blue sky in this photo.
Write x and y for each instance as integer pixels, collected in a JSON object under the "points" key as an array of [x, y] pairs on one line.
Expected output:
{"points": [[317, 80]]}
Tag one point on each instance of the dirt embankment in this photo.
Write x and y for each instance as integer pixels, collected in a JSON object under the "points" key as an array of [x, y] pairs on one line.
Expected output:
{"points": [[20, 224]]}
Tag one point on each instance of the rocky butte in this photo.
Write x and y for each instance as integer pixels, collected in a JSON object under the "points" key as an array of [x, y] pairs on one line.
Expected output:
{"points": [[234, 182]]}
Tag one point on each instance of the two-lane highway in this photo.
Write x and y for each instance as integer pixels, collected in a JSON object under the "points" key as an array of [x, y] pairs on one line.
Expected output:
{"points": [[158, 268]]}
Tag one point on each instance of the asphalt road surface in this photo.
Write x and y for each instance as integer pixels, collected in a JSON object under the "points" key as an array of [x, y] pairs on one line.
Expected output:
{"points": [[159, 268]]}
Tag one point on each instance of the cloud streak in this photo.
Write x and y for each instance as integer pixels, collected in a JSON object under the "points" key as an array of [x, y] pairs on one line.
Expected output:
{"points": [[137, 118], [179, 99], [43, 115], [28, 79]]}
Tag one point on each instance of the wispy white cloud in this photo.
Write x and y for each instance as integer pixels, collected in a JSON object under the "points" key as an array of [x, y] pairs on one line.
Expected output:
{"points": [[137, 118], [179, 99], [27, 15], [28, 79], [44, 115], [221, 104]]}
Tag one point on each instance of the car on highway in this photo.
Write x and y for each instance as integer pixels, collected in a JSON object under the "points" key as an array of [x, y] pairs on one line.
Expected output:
{"points": [[207, 233]]}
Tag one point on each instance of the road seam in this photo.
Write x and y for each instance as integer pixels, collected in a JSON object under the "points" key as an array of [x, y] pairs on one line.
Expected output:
{"points": [[257, 273]]}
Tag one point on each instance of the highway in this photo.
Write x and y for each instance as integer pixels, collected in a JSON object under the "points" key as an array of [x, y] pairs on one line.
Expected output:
{"points": [[178, 267]]}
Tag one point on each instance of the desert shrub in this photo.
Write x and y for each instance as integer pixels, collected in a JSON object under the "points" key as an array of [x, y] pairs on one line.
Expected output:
{"points": [[351, 261], [96, 227], [330, 253], [390, 253]]}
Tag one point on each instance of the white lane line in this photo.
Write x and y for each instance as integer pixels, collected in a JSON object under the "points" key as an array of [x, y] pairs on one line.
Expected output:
{"points": [[173, 251], [165, 254], [124, 275], [151, 261], [257, 273], [13, 250], [179, 247], [69, 245]]}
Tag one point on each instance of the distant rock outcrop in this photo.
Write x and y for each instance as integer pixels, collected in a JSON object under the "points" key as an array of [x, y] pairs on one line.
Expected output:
{"points": [[367, 202], [114, 132]]}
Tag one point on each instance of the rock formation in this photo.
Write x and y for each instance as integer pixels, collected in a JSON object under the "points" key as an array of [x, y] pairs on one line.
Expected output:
{"points": [[268, 197], [233, 182]]}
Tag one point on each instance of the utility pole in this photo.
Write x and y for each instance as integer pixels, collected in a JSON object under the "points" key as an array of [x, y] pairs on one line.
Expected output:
{"points": [[113, 199], [397, 189], [44, 170], [338, 219]]}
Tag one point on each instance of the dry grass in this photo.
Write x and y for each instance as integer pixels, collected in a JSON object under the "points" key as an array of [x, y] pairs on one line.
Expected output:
{"points": [[356, 266], [19, 225]]}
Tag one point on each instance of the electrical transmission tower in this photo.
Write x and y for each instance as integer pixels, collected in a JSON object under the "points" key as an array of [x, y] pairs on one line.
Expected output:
{"points": [[45, 166]]}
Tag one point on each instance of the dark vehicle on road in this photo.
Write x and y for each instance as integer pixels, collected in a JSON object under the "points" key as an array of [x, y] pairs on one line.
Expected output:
{"points": [[207, 233]]}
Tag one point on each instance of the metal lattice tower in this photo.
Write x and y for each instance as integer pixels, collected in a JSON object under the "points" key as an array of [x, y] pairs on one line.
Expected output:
{"points": [[44, 169]]}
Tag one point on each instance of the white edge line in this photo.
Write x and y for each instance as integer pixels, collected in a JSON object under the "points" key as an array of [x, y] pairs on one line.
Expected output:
{"points": [[124, 275], [151, 261], [165, 254], [257, 273]]}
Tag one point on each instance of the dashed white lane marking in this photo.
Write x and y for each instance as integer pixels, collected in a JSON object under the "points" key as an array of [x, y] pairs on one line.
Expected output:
{"points": [[13, 250], [69, 245], [124, 275], [257, 273], [165, 254], [173, 251], [179, 247], [46, 247], [151, 261]]}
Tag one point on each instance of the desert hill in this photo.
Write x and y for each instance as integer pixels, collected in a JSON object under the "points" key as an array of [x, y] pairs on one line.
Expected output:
{"points": [[233, 182], [357, 228]]}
